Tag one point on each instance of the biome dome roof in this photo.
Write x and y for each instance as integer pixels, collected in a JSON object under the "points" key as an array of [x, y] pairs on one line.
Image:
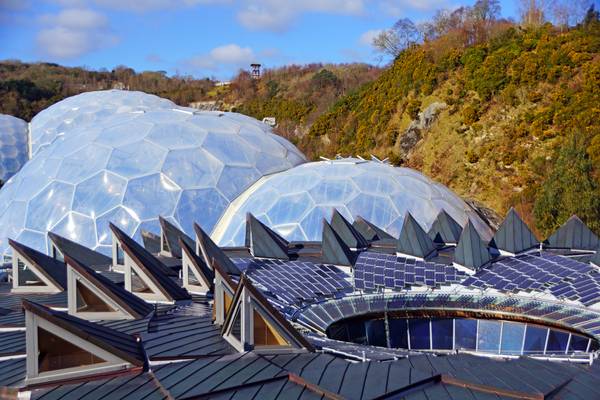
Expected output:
{"points": [[294, 202], [90, 107], [13, 145], [128, 169]]}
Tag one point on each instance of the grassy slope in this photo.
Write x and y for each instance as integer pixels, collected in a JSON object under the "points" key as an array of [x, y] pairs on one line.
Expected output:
{"points": [[513, 101]]}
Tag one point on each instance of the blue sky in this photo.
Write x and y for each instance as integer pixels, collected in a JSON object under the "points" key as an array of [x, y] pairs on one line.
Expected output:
{"points": [[202, 37]]}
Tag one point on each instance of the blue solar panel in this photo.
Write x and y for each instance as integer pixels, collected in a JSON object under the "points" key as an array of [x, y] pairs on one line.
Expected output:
{"points": [[377, 271], [295, 282], [560, 276]]}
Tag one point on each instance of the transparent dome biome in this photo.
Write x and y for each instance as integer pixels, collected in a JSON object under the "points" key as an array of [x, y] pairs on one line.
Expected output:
{"points": [[294, 202], [130, 168], [90, 107], [14, 145]]}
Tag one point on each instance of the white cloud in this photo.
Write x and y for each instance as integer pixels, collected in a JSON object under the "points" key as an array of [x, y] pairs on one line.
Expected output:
{"points": [[277, 15], [153, 5], [74, 32], [366, 39], [227, 56]]}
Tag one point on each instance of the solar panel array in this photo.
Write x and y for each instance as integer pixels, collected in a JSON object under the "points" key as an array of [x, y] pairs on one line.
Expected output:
{"points": [[322, 315], [560, 276], [376, 270], [296, 282]]}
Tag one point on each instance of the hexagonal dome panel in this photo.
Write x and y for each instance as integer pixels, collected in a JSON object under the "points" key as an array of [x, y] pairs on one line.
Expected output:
{"points": [[295, 202], [14, 151], [88, 108], [184, 165]]}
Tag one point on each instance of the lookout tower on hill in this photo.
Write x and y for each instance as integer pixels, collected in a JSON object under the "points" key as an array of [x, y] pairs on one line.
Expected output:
{"points": [[255, 71]]}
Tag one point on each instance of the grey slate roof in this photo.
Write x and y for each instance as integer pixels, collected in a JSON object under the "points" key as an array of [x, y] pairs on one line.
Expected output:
{"points": [[513, 235], [413, 240], [349, 235], [53, 269], [264, 242], [122, 345], [333, 249], [173, 235], [152, 267], [93, 259], [471, 251], [213, 254], [134, 305], [12, 342], [574, 234], [12, 301], [370, 231], [445, 229]]}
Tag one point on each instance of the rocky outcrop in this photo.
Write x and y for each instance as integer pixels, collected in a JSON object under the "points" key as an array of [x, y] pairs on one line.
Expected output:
{"points": [[411, 135]]}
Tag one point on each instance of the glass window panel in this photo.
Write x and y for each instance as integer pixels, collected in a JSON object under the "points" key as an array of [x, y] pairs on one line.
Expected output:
{"points": [[488, 336], [120, 255], [338, 332], [557, 341], [236, 326], [87, 301], [357, 332], [512, 338], [26, 276], [441, 333], [578, 343], [376, 332], [56, 353], [398, 333], [265, 334], [466, 334], [535, 339], [419, 333]]}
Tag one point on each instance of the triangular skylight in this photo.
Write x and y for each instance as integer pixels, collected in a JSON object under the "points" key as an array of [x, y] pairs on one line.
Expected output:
{"points": [[369, 230], [197, 277], [35, 272], [93, 297], [413, 241], [514, 236], [445, 229], [333, 249], [350, 236], [253, 324], [60, 346], [264, 242]]}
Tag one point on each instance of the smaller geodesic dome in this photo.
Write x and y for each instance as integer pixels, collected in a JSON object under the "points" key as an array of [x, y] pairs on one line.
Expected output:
{"points": [[88, 108], [133, 167], [294, 202], [14, 145]]}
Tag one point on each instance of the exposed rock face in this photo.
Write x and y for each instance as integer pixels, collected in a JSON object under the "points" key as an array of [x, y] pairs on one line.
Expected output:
{"points": [[488, 215], [411, 136]]}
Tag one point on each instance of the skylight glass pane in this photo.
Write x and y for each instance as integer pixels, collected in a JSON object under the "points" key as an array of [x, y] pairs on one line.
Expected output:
{"points": [[512, 338], [419, 333], [488, 336], [441, 333], [466, 333], [535, 339], [557, 341], [398, 333]]}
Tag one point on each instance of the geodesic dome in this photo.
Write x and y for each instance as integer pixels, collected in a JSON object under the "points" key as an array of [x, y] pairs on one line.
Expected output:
{"points": [[128, 169], [294, 202], [13, 145], [90, 107]]}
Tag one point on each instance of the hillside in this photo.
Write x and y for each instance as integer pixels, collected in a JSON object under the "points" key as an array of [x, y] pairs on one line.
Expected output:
{"points": [[511, 121]]}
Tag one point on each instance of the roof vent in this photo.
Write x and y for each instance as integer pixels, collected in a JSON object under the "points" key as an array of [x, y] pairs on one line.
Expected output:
{"points": [[413, 241], [514, 236], [445, 230], [574, 234], [471, 252]]}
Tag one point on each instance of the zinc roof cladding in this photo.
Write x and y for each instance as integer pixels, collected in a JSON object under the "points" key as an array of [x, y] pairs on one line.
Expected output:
{"points": [[155, 269], [264, 242], [213, 254], [574, 234], [445, 229], [349, 235], [173, 236], [12, 342], [12, 372], [12, 301], [369, 230], [177, 335], [471, 251], [118, 343], [413, 240], [55, 271], [513, 235], [131, 303], [333, 249], [93, 259]]}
